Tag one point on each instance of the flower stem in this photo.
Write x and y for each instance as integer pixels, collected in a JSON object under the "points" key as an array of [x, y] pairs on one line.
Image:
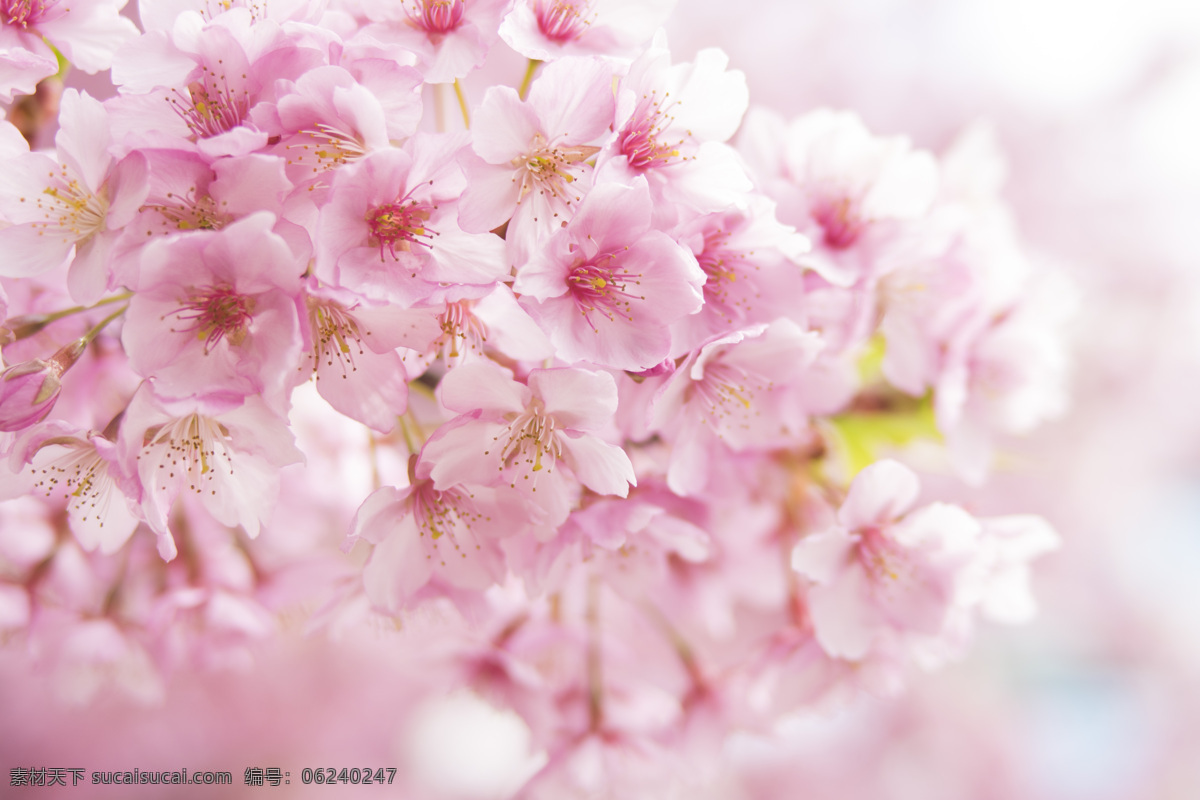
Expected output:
{"points": [[102, 324], [27, 325], [462, 103], [595, 679], [528, 79]]}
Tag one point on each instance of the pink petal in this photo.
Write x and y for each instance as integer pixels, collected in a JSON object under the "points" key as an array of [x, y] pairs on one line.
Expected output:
{"points": [[879, 494], [604, 468], [576, 398]]}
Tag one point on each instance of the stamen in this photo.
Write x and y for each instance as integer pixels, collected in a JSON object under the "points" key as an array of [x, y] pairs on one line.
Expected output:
{"points": [[723, 268], [215, 312], [436, 16], [336, 336], [23, 13], [726, 394], [401, 224], [81, 474], [334, 147], [211, 107], [550, 169], [530, 439], [639, 139], [193, 447], [563, 20], [69, 209], [839, 221], [460, 326], [189, 212], [602, 287]]}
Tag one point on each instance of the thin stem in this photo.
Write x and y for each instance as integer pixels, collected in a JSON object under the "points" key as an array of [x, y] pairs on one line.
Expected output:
{"points": [[410, 429], [423, 390], [594, 677], [687, 656], [439, 107], [373, 449], [27, 325], [528, 79], [102, 324], [462, 103]]}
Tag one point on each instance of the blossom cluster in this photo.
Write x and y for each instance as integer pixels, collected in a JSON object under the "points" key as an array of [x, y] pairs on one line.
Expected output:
{"points": [[611, 371]]}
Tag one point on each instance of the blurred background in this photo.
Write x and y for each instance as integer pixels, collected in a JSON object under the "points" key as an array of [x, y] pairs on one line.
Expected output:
{"points": [[1096, 104]]}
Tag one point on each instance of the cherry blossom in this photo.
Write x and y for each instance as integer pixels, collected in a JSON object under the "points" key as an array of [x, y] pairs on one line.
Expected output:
{"points": [[88, 33], [601, 412], [389, 230], [540, 435], [73, 209], [532, 166], [450, 37], [549, 29], [607, 285], [886, 573], [229, 457]]}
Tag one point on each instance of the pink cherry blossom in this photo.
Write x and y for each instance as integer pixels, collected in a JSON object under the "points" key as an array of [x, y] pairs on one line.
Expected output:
{"points": [[420, 532], [549, 29], [540, 436], [84, 469], [229, 457], [606, 287], [352, 353], [852, 193], [670, 123], [88, 33], [389, 230], [737, 390], [885, 573], [531, 166], [200, 83], [450, 37], [29, 391], [330, 119], [751, 268], [216, 313], [1005, 374], [187, 193], [71, 210]]}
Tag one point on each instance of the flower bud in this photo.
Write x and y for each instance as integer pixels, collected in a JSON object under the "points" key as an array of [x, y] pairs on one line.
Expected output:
{"points": [[28, 391]]}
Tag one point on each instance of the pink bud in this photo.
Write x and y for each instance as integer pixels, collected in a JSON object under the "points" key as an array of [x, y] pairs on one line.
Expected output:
{"points": [[28, 391]]}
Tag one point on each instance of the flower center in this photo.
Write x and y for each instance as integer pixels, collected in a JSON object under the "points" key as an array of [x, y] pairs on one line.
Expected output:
{"points": [[550, 169], [460, 326], [436, 16], [23, 13], [725, 391], [562, 20], [216, 312], [70, 209], [602, 287], [442, 513], [528, 440], [333, 147], [211, 107], [191, 446], [640, 136], [81, 473], [882, 560], [336, 336], [189, 212], [722, 268], [400, 225], [840, 225], [214, 8]]}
